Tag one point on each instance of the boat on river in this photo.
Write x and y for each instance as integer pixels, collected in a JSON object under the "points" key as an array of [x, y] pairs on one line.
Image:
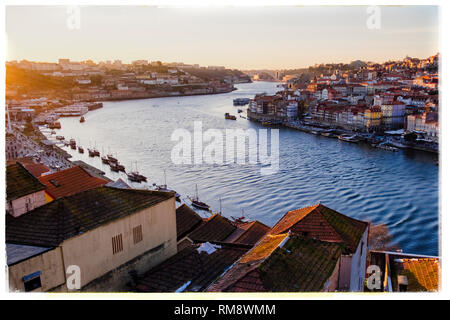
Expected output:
{"points": [[349, 138], [197, 203], [229, 116], [80, 149]]}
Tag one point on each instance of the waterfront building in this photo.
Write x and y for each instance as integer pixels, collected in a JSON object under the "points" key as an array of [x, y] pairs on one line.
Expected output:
{"points": [[106, 232], [426, 123], [23, 191]]}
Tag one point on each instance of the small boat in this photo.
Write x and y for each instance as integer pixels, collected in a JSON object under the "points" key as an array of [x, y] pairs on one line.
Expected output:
{"points": [[105, 160], [80, 149], [163, 188], [53, 132], [198, 204], [113, 167], [136, 177], [91, 152], [73, 144], [229, 116], [111, 158], [239, 110], [82, 120], [120, 167], [60, 138], [387, 148], [348, 138], [96, 153]]}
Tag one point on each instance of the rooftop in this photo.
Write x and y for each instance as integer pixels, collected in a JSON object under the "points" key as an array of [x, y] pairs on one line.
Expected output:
{"points": [[187, 220], [70, 181], [216, 228], [51, 224], [20, 182], [282, 263], [191, 269], [17, 252], [248, 232], [323, 223]]}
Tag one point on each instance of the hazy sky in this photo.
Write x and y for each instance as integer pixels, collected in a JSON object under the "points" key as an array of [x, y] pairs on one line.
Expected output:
{"points": [[245, 38]]}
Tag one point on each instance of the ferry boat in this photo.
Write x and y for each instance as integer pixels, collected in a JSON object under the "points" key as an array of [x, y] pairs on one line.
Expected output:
{"points": [[241, 101], [348, 138], [229, 116], [82, 120], [198, 204], [80, 149]]}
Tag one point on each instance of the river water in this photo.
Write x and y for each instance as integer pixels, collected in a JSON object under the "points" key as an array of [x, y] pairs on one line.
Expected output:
{"points": [[398, 189]]}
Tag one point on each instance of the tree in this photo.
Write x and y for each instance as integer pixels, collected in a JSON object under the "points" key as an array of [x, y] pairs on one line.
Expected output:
{"points": [[380, 238]]}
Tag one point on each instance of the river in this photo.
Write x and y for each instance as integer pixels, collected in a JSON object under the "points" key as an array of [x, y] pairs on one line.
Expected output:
{"points": [[397, 189]]}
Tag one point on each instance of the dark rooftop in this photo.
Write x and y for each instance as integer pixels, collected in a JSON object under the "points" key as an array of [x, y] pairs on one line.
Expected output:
{"points": [[20, 182], [191, 270], [51, 224], [216, 228], [187, 220]]}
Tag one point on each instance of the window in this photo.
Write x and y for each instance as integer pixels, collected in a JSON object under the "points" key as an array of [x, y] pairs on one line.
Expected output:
{"points": [[117, 245], [32, 281], [137, 234]]}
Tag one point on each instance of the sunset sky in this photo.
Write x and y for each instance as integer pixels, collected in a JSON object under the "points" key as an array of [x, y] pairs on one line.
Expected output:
{"points": [[244, 38]]}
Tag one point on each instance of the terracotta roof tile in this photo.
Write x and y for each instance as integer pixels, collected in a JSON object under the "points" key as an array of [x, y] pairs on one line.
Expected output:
{"points": [[322, 223], [422, 273], [248, 232], [297, 265], [70, 181]]}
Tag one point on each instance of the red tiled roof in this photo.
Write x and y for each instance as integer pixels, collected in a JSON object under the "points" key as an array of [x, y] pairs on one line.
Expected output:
{"points": [[70, 181], [322, 223], [36, 169], [282, 263], [422, 273]]}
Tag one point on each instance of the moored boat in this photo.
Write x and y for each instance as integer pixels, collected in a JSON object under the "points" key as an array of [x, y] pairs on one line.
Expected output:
{"points": [[82, 120], [229, 116], [80, 149], [197, 203]]}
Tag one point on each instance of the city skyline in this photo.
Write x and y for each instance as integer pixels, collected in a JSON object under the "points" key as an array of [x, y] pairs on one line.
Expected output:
{"points": [[299, 36]]}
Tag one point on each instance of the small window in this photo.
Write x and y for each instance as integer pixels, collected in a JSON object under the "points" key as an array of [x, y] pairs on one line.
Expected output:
{"points": [[137, 234], [117, 245], [32, 281]]}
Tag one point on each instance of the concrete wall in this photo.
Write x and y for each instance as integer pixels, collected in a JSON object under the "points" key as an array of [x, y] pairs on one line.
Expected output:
{"points": [[92, 251], [50, 265], [18, 206]]}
